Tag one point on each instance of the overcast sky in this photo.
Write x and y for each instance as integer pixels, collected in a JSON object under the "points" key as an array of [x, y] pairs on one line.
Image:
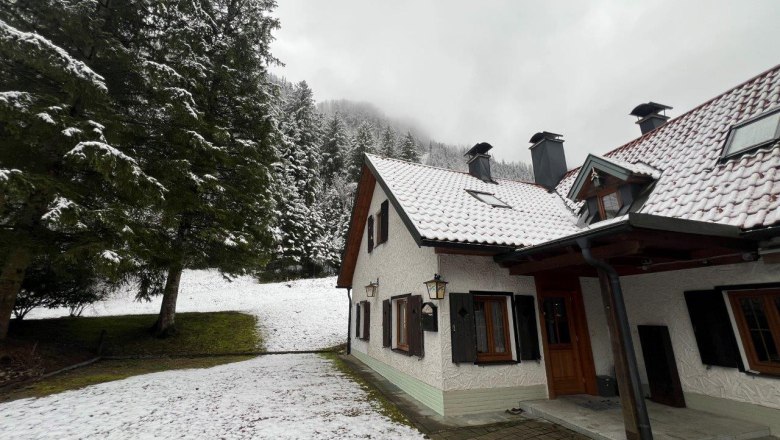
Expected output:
{"points": [[499, 71]]}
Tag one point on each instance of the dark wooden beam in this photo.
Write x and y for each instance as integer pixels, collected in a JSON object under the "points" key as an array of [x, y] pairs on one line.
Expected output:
{"points": [[456, 251], [576, 259]]}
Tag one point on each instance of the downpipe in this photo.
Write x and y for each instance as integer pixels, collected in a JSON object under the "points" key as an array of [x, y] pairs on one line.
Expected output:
{"points": [[645, 431]]}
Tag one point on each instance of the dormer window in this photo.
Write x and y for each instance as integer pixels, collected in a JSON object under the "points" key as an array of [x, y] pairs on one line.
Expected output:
{"points": [[488, 198], [753, 133], [609, 205]]}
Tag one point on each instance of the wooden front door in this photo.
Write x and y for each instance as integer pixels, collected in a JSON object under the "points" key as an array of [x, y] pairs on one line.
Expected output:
{"points": [[566, 343]]}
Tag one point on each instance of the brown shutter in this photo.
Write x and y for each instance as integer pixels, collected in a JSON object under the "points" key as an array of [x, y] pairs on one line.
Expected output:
{"points": [[357, 320], [414, 313], [527, 335], [383, 222], [464, 345], [387, 323], [366, 320], [712, 328], [370, 233]]}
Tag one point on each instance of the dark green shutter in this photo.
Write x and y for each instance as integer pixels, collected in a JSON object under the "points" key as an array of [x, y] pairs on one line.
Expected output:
{"points": [[712, 328], [414, 315], [383, 222], [357, 320], [527, 334], [366, 320], [370, 233], [464, 345], [387, 323]]}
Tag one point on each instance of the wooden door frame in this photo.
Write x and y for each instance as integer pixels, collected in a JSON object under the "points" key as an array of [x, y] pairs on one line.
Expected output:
{"points": [[545, 288]]}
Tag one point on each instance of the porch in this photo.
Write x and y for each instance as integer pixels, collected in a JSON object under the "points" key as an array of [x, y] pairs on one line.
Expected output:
{"points": [[601, 418]]}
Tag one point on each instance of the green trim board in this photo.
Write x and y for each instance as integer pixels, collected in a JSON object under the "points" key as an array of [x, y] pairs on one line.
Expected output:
{"points": [[762, 415], [454, 402]]}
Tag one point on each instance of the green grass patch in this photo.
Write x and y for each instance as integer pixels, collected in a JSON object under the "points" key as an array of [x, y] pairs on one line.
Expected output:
{"points": [[129, 335], [386, 407], [110, 370]]}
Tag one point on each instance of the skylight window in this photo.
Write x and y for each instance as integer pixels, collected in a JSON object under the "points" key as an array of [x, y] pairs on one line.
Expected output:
{"points": [[753, 133], [488, 198]]}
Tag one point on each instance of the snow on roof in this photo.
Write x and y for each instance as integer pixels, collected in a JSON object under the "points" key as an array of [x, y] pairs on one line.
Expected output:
{"points": [[638, 168], [440, 208], [695, 183]]}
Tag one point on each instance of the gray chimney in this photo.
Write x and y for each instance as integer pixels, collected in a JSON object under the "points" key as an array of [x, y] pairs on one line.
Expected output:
{"points": [[650, 115], [548, 159], [479, 161]]}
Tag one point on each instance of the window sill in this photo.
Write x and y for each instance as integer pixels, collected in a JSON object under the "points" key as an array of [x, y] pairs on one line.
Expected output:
{"points": [[401, 351], [486, 363]]}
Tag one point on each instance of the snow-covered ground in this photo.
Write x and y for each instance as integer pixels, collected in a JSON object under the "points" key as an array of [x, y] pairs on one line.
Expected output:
{"points": [[298, 396], [295, 315], [295, 396]]}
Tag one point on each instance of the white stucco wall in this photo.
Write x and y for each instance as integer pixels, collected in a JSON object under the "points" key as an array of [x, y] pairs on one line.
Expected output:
{"points": [[467, 273], [401, 267], [657, 299]]}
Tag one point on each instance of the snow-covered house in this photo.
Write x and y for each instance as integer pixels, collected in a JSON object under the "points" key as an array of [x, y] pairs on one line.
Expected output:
{"points": [[656, 263]]}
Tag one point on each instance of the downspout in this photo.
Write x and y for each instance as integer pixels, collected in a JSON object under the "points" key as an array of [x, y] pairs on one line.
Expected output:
{"points": [[643, 421], [349, 321]]}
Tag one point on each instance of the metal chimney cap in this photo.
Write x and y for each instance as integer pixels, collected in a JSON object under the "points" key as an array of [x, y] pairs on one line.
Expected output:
{"points": [[648, 108], [480, 148], [544, 135]]}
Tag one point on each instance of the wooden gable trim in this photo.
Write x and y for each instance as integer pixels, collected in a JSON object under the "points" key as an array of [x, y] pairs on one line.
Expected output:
{"points": [[357, 223], [581, 188]]}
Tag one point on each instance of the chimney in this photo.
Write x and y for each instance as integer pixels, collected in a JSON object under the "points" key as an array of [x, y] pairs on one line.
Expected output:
{"points": [[548, 159], [649, 115], [479, 161]]}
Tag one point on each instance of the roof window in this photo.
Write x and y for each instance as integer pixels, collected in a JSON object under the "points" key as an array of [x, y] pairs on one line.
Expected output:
{"points": [[488, 198], [753, 133]]}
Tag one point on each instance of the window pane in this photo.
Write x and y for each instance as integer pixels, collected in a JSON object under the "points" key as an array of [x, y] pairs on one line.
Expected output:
{"points": [[758, 325], [754, 133], [556, 320], [611, 205], [481, 326], [490, 199], [401, 322], [499, 327]]}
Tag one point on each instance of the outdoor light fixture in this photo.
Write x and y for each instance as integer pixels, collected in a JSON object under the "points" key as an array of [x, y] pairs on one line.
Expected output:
{"points": [[436, 287], [596, 178], [371, 288]]}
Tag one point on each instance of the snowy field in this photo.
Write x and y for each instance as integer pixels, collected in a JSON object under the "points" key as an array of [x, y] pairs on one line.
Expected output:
{"points": [[295, 315], [296, 396]]}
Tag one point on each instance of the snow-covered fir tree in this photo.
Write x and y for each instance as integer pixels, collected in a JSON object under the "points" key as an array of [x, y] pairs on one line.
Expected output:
{"points": [[387, 142], [362, 143], [335, 148], [409, 149]]}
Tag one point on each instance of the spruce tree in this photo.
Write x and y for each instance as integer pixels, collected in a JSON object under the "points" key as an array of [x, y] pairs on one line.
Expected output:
{"points": [[387, 143], [362, 143], [334, 149], [66, 185], [409, 149]]}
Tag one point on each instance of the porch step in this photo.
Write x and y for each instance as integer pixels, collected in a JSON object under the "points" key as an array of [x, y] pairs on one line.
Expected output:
{"points": [[667, 422]]}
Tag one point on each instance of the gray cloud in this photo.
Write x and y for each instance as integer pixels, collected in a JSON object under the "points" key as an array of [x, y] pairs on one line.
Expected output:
{"points": [[498, 71]]}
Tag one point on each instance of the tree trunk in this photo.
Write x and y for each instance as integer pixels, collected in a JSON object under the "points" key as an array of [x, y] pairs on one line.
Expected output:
{"points": [[165, 325], [10, 282]]}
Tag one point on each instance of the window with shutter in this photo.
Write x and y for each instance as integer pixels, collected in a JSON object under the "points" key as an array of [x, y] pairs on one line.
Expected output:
{"points": [[387, 324], [757, 313], [491, 323], [712, 329], [527, 333], [402, 324], [383, 222], [370, 233], [366, 321], [464, 347]]}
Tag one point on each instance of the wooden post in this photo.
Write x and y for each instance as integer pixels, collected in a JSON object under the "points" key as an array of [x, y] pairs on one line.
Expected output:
{"points": [[632, 401]]}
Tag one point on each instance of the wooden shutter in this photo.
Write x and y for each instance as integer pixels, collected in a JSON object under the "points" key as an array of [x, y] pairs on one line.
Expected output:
{"points": [[712, 327], [383, 222], [527, 334], [370, 233], [387, 323], [366, 320], [462, 332], [414, 324], [357, 320]]}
